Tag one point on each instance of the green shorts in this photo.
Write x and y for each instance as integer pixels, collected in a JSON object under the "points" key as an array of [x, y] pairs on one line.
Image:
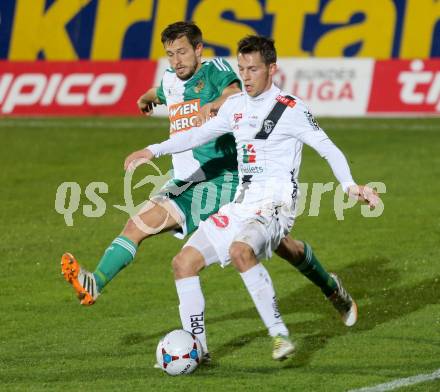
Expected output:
{"points": [[196, 201]]}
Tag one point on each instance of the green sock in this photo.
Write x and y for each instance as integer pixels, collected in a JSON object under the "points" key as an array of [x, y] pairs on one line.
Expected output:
{"points": [[118, 255], [312, 269]]}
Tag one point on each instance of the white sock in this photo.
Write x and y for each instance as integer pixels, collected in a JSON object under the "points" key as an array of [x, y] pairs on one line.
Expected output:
{"points": [[259, 285], [192, 308]]}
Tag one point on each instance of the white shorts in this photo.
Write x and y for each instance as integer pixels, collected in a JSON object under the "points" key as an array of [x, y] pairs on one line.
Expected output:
{"points": [[261, 228]]}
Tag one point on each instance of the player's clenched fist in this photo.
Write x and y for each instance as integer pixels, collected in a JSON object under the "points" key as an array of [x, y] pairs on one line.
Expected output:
{"points": [[145, 106], [148, 101], [137, 158]]}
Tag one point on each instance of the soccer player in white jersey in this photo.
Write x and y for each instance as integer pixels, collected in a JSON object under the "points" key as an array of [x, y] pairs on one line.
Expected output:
{"points": [[191, 83], [270, 127]]}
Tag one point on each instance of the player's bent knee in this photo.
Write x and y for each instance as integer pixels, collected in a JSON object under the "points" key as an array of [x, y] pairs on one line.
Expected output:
{"points": [[240, 250], [187, 263], [242, 256]]}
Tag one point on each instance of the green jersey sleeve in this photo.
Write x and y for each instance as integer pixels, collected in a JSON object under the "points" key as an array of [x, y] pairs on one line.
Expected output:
{"points": [[160, 94], [221, 74]]}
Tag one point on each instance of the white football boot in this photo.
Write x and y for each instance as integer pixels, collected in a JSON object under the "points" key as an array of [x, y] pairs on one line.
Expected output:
{"points": [[283, 347], [344, 303]]}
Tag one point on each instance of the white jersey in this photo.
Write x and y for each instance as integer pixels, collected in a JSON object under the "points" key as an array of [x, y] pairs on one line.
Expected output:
{"points": [[269, 155]]}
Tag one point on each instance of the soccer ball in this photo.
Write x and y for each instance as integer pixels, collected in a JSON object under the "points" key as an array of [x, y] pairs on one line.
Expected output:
{"points": [[179, 352]]}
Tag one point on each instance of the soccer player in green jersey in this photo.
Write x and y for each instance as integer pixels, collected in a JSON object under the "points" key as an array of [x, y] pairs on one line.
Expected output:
{"points": [[193, 91]]}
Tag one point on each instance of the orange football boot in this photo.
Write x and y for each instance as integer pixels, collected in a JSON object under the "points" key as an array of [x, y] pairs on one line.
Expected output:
{"points": [[82, 281]]}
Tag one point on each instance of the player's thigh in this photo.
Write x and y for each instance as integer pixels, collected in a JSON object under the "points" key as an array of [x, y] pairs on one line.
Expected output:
{"points": [[216, 234], [242, 256], [200, 200], [200, 243], [153, 218], [255, 236]]}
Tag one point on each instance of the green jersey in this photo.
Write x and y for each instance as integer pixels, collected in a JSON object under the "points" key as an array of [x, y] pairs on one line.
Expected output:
{"points": [[184, 98]]}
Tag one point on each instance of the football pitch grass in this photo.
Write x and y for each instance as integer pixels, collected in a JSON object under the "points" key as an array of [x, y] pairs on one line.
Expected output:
{"points": [[390, 264]]}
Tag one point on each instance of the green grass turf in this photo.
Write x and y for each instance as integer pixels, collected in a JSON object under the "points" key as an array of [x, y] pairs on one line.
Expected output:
{"points": [[390, 264]]}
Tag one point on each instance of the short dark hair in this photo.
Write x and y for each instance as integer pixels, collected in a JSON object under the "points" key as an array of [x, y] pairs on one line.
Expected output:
{"points": [[182, 29], [255, 43]]}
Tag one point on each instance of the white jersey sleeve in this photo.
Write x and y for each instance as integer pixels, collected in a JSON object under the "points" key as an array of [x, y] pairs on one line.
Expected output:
{"points": [[306, 129], [194, 137]]}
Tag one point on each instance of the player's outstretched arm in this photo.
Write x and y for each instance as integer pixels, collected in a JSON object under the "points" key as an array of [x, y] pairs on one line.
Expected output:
{"points": [[183, 141], [306, 129], [339, 165], [180, 142], [147, 101]]}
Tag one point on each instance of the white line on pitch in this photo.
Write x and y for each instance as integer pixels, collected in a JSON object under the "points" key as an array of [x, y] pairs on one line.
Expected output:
{"points": [[400, 382]]}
